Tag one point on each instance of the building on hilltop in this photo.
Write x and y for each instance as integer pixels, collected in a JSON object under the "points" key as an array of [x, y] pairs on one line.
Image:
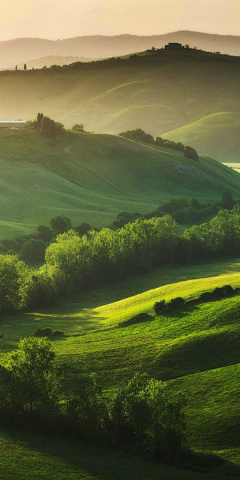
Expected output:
{"points": [[173, 46]]}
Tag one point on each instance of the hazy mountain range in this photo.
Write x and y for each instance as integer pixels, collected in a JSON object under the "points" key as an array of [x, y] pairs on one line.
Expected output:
{"points": [[20, 50]]}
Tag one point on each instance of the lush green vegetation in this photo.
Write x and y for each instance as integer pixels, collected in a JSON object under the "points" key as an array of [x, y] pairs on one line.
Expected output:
{"points": [[166, 346], [89, 178], [157, 92], [215, 134]]}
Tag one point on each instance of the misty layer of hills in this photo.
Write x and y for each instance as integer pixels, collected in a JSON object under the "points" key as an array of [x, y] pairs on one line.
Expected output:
{"points": [[22, 50]]}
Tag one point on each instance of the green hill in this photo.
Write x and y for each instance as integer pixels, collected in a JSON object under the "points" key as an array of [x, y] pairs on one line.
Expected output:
{"points": [[156, 92], [92, 178], [194, 348], [216, 135]]}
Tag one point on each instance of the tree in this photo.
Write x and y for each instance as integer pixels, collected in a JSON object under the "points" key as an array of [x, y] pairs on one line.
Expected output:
{"points": [[78, 127], [48, 128], [31, 366], [45, 233], [13, 275], [39, 119], [61, 224], [83, 228], [33, 251], [191, 153], [227, 200], [142, 409], [25, 67]]}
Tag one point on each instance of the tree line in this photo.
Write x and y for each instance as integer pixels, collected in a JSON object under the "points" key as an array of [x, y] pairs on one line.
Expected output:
{"points": [[74, 262]]}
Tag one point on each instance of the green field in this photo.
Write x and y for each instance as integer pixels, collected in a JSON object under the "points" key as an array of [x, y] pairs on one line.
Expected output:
{"points": [[215, 135], [158, 96], [93, 177], [194, 348]]}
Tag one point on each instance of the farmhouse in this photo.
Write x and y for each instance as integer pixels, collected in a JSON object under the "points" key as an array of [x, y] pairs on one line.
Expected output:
{"points": [[13, 123]]}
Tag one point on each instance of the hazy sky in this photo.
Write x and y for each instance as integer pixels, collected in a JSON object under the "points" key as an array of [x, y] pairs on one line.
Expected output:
{"points": [[55, 19]]}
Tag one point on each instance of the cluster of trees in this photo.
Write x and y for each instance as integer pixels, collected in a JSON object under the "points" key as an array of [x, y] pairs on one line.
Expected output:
{"points": [[74, 262], [139, 135], [34, 388], [181, 209], [47, 127], [31, 248]]}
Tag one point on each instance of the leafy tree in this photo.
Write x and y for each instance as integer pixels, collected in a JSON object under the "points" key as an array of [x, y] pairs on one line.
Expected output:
{"points": [[191, 153], [138, 135], [31, 365], [84, 228], [13, 274], [227, 200], [33, 251], [48, 128], [78, 127], [142, 409], [61, 224], [45, 233]]}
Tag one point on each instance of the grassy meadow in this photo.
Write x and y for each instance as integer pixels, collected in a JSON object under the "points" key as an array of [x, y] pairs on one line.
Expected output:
{"points": [[159, 96], [194, 349], [93, 177], [215, 135]]}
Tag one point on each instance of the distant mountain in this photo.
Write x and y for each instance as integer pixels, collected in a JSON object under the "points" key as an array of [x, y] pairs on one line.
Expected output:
{"points": [[22, 50], [52, 60]]}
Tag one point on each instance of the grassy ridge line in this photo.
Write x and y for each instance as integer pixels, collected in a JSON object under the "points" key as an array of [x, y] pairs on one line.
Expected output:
{"points": [[215, 135], [156, 98], [92, 178]]}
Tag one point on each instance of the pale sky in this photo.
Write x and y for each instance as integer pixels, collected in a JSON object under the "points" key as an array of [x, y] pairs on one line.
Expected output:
{"points": [[55, 19]]}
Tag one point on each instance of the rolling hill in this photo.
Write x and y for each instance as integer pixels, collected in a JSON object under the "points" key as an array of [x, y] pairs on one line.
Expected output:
{"points": [[194, 349], [216, 135], [92, 178], [157, 91], [22, 50]]}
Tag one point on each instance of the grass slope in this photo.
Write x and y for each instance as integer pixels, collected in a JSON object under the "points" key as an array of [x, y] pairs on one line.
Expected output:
{"points": [[92, 178], [159, 96], [216, 135], [195, 349]]}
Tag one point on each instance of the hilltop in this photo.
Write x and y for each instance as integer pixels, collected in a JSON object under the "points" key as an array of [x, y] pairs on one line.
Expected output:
{"points": [[92, 178], [158, 91], [23, 50], [216, 135]]}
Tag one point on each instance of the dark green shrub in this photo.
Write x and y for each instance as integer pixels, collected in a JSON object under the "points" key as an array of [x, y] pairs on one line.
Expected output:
{"points": [[44, 332], [206, 296], [58, 333], [191, 153], [160, 306], [176, 302], [138, 135], [227, 289], [33, 251]]}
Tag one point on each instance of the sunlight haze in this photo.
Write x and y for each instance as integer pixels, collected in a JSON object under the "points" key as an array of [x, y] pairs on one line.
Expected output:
{"points": [[57, 19]]}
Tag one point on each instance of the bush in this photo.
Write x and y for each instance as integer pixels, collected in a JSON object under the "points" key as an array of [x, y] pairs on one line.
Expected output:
{"points": [[58, 333], [160, 306], [78, 128], [206, 296], [48, 128], [191, 153], [44, 332], [176, 302], [138, 135]]}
